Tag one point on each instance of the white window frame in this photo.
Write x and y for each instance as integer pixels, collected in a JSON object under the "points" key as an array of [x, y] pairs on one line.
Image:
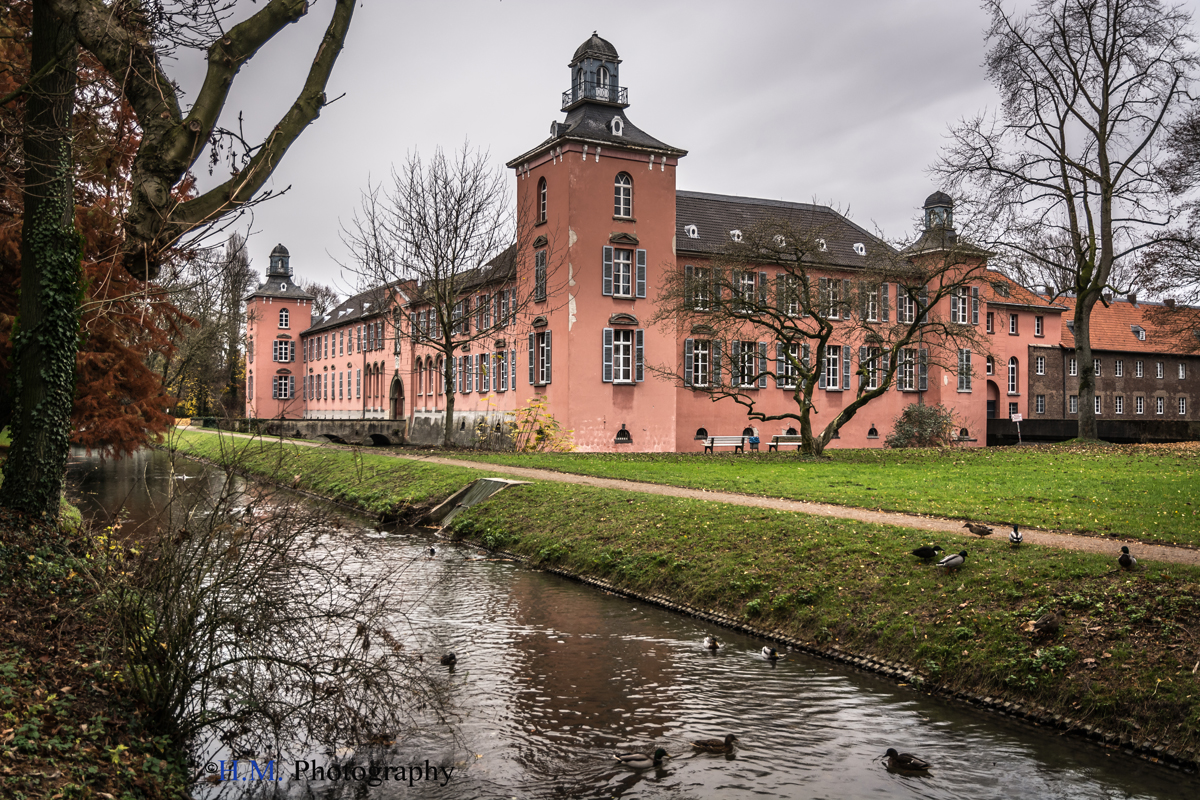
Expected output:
{"points": [[623, 195], [1073, 366], [1138, 369], [701, 288], [1139, 404], [906, 373], [1012, 324], [622, 362], [1098, 403], [1097, 367], [1014, 377], [622, 272], [542, 354], [1119, 367], [701, 362], [1039, 404], [1119, 404], [990, 365], [747, 365], [1040, 365], [963, 306], [1039, 326], [1160, 404], [285, 318], [787, 370], [1182, 406], [791, 294], [991, 322], [964, 370], [872, 367], [1182, 371], [906, 306], [1013, 410], [1160, 369], [833, 367], [833, 300], [1073, 404]]}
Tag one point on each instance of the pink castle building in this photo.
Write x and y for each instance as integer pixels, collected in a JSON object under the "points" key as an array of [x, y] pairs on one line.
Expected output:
{"points": [[567, 316]]}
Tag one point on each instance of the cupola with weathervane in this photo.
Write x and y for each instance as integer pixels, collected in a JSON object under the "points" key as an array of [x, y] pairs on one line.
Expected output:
{"points": [[594, 75], [280, 265]]}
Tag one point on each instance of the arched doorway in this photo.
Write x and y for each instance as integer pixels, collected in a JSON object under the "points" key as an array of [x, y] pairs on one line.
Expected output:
{"points": [[993, 399], [397, 397]]}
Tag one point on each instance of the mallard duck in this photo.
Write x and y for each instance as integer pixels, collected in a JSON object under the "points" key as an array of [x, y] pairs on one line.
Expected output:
{"points": [[432, 551], [449, 660], [954, 560], [641, 760], [1014, 537], [905, 761], [1049, 623], [711, 642], [979, 530], [770, 654], [716, 745], [927, 552], [1126, 559]]}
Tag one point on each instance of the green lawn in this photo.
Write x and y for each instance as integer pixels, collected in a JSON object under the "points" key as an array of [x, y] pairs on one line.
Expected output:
{"points": [[1145, 492]]}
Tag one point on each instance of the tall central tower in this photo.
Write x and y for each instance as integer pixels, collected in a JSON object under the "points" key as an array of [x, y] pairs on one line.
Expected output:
{"points": [[598, 197]]}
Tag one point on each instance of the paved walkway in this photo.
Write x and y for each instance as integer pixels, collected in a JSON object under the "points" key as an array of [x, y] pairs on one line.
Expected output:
{"points": [[948, 527]]}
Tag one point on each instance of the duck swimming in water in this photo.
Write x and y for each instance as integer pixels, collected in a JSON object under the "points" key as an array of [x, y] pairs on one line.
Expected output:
{"points": [[641, 760], [905, 761], [770, 654], [716, 745], [711, 643]]}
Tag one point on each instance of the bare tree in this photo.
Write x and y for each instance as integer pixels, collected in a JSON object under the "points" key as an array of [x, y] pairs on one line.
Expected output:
{"points": [[1066, 178], [325, 298], [775, 307], [444, 229]]}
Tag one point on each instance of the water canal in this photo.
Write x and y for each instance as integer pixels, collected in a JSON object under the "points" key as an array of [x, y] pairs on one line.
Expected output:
{"points": [[554, 677]]}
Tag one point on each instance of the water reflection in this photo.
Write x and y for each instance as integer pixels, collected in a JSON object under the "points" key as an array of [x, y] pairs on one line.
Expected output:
{"points": [[553, 678]]}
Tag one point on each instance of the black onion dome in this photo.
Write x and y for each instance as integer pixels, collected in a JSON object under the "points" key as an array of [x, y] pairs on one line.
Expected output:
{"points": [[938, 199], [597, 47], [280, 250]]}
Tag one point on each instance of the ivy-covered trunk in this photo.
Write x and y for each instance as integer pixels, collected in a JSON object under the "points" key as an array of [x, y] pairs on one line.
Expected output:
{"points": [[46, 334]]}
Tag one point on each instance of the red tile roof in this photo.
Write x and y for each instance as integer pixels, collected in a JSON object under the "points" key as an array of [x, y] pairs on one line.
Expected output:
{"points": [[1112, 328]]}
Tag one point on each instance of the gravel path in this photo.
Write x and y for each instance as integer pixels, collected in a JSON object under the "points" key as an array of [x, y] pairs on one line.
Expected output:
{"points": [[1177, 554]]}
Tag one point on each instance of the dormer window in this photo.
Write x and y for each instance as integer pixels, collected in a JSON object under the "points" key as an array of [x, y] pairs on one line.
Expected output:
{"points": [[780, 241], [860, 248], [735, 235], [1139, 332], [616, 126], [821, 245], [691, 231]]}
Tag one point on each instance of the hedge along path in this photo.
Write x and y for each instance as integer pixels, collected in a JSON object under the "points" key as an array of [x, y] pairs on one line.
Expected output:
{"points": [[1067, 540]]}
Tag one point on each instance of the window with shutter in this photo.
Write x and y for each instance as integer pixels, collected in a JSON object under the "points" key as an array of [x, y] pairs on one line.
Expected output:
{"points": [[607, 360], [607, 285], [638, 355], [762, 362], [640, 289], [924, 371], [846, 368], [532, 360], [884, 303], [539, 276]]}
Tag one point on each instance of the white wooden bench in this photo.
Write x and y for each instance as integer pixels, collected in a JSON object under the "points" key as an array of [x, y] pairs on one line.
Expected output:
{"points": [[783, 439], [736, 442]]}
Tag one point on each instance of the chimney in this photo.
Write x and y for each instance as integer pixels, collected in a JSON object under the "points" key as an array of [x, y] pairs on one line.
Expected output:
{"points": [[1169, 302], [1107, 298], [1133, 299]]}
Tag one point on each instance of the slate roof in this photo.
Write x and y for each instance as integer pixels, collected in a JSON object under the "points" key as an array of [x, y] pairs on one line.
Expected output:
{"points": [[362, 306], [595, 46], [591, 123], [275, 286], [1111, 329], [715, 215]]}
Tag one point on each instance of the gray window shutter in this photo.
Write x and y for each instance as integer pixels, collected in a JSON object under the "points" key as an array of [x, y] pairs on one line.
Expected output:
{"points": [[641, 274], [716, 362], [291, 385], [884, 311], [820, 369], [846, 367], [862, 362], [762, 289], [689, 288], [846, 301], [974, 305], [274, 388], [780, 363], [532, 358], [512, 367], [607, 288], [762, 362], [863, 291], [804, 355], [638, 352], [549, 357], [780, 299], [607, 375], [923, 299], [954, 305], [924, 370], [688, 346], [469, 366], [735, 363], [967, 366], [822, 297]]}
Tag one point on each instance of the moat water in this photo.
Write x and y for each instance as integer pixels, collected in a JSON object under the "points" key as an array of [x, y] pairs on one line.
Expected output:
{"points": [[554, 677]]}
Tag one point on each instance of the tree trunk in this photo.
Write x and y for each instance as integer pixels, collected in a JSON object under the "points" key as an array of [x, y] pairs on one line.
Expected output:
{"points": [[1087, 373], [448, 427], [47, 331]]}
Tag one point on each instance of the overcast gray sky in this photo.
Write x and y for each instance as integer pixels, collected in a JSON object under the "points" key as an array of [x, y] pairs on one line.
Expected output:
{"points": [[843, 103]]}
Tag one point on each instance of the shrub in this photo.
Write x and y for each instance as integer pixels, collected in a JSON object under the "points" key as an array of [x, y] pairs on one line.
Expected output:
{"points": [[922, 426]]}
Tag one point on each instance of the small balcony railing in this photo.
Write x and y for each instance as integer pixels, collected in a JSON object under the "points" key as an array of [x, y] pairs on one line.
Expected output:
{"points": [[589, 90]]}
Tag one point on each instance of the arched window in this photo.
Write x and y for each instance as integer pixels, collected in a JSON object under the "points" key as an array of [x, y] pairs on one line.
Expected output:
{"points": [[623, 436], [791, 432], [441, 376], [602, 83], [701, 433], [747, 431], [283, 318], [1012, 375], [963, 433], [542, 200], [623, 196], [417, 378]]}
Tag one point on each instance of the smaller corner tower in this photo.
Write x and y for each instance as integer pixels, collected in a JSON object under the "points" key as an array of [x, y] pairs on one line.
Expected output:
{"points": [[276, 313]]}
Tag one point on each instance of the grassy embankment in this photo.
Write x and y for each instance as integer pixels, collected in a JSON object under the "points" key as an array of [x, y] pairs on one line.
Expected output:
{"points": [[68, 727], [1138, 491], [1123, 660]]}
